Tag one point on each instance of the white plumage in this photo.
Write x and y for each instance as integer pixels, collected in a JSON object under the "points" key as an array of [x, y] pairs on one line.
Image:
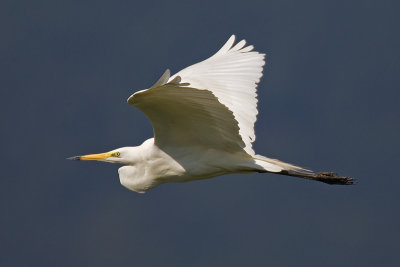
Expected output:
{"points": [[203, 119]]}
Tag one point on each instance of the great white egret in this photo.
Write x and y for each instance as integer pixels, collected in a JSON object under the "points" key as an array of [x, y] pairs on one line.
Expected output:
{"points": [[203, 119]]}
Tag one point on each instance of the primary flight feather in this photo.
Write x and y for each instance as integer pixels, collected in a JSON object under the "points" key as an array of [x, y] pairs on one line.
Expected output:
{"points": [[203, 120]]}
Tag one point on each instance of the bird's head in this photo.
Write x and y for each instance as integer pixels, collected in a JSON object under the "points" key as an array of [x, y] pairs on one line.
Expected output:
{"points": [[120, 155]]}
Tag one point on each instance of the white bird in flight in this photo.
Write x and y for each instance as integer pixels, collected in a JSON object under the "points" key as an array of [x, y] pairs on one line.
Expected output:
{"points": [[203, 120]]}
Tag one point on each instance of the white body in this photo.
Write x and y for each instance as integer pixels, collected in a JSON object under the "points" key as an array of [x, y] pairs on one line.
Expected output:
{"points": [[154, 166]]}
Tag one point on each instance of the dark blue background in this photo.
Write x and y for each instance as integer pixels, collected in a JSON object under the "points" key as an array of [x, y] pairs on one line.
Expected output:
{"points": [[329, 100]]}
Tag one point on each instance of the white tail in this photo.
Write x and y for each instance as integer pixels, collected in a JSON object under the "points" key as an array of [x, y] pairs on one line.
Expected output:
{"points": [[274, 165]]}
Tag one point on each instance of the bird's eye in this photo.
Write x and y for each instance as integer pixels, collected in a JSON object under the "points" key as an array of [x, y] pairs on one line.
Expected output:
{"points": [[116, 155]]}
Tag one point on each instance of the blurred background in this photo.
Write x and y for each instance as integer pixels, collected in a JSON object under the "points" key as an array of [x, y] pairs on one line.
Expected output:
{"points": [[329, 101]]}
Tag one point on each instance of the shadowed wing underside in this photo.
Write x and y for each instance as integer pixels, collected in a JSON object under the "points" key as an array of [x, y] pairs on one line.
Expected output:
{"points": [[184, 116]]}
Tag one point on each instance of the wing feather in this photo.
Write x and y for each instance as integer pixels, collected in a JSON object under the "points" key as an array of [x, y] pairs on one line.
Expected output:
{"points": [[212, 103]]}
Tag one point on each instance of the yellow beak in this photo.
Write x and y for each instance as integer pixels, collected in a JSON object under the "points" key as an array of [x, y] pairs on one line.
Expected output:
{"points": [[101, 156]]}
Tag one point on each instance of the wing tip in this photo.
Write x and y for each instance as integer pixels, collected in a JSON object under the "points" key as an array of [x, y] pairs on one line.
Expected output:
{"points": [[130, 100], [240, 46], [227, 46]]}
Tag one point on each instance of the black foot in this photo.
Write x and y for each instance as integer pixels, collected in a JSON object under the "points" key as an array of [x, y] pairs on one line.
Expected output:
{"points": [[332, 178]]}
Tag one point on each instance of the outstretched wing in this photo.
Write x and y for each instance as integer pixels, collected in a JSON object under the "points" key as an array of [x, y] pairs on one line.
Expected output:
{"points": [[212, 103]]}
